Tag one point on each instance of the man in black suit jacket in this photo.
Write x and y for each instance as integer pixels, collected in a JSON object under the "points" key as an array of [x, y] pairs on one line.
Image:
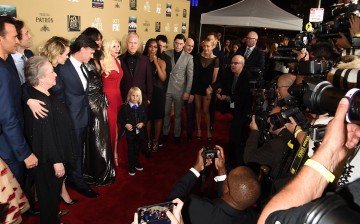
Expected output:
{"points": [[234, 88], [240, 192], [254, 57], [137, 70], [13, 148], [71, 88]]}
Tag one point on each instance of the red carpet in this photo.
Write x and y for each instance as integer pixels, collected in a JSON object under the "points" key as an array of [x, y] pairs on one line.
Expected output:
{"points": [[118, 202]]}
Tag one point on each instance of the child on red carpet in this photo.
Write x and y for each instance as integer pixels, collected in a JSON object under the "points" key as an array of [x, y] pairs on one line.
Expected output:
{"points": [[132, 118]]}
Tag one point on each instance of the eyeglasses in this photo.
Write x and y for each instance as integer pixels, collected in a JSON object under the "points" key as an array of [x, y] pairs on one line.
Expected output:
{"points": [[235, 63]]}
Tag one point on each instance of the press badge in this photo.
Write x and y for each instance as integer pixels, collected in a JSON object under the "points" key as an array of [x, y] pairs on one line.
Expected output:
{"points": [[232, 105]]}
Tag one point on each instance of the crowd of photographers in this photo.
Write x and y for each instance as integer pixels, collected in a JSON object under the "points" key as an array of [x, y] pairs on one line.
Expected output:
{"points": [[303, 133]]}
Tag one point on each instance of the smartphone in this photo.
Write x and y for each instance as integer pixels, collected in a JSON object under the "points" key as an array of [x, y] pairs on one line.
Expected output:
{"points": [[155, 213]]}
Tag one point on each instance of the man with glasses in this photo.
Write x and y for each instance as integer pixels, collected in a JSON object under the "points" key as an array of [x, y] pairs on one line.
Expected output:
{"points": [[238, 191], [254, 57], [179, 85], [234, 87]]}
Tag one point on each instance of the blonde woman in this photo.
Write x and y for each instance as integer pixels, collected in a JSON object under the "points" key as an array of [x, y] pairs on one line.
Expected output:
{"points": [[206, 68], [111, 77]]}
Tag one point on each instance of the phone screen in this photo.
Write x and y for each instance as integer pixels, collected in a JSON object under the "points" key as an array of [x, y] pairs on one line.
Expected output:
{"points": [[155, 214]]}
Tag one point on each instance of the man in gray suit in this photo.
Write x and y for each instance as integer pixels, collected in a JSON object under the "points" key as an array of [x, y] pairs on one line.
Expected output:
{"points": [[179, 86]]}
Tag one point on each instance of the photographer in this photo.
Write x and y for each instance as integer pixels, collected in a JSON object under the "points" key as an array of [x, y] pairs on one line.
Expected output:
{"points": [[273, 153], [239, 191], [293, 202]]}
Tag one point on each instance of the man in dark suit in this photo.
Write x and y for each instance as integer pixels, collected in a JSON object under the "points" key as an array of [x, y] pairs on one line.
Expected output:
{"points": [[240, 192], [234, 87], [22, 53], [137, 70], [13, 148], [254, 57], [71, 88]]}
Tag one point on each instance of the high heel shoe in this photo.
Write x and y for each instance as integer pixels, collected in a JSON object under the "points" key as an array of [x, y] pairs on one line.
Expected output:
{"points": [[198, 136], [72, 202]]}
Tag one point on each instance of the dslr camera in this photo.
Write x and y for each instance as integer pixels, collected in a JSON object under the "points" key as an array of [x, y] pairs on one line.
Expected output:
{"points": [[209, 153]]}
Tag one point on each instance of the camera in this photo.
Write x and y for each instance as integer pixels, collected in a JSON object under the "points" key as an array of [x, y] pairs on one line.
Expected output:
{"points": [[321, 97], [209, 153], [279, 119]]}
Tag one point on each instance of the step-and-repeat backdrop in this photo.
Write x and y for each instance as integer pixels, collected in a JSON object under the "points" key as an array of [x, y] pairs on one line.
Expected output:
{"points": [[114, 18]]}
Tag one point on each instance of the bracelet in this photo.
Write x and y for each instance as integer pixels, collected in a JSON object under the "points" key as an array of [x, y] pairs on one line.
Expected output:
{"points": [[297, 132], [329, 177], [356, 35]]}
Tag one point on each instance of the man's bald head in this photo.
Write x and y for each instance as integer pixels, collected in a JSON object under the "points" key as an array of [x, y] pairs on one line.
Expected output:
{"points": [[283, 84], [242, 189], [251, 39], [189, 45]]}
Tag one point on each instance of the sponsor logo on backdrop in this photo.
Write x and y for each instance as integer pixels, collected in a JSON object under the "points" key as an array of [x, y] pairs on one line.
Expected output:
{"points": [[99, 4], [74, 23], [116, 25], [167, 27], [147, 6], [73, 0], [157, 26], [45, 28], [177, 10], [44, 18], [183, 27], [97, 23], [184, 13], [168, 9], [117, 5], [132, 24], [8, 10], [133, 4], [158, 8], [146, 24], [176, 28]]}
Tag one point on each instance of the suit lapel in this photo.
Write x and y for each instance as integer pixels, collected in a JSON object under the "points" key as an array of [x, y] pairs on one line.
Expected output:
{"points": [[75, 75]]}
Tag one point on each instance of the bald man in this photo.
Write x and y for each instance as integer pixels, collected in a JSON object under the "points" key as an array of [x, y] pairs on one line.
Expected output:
{"points": [[254, 57], [189, 45], [239, 191], [283, 84], [234, 87]]}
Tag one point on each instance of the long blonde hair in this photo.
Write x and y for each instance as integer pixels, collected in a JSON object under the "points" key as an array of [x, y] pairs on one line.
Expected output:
{"points": [[108, 58]]}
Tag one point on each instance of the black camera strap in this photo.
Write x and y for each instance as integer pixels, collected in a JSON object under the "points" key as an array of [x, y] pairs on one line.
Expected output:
{"points": [[300, 155]]}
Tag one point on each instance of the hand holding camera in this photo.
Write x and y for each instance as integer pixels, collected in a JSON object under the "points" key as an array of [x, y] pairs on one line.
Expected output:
{"points": [[207, 155]]}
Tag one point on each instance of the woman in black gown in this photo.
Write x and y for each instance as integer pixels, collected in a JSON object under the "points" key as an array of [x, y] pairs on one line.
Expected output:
{"points": [[50, 138], [98, 162]]}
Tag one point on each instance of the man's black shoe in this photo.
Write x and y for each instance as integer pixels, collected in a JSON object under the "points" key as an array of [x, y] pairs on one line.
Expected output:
{"points": [[164, 138], [177, 140], [33, 211], [147, 153], [88, 193]]}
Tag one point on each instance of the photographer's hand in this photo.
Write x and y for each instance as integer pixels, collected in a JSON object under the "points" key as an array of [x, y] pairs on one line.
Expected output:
{"points": [[220, 161], [175, 217], [253, 125], [301, 55], [199, 164], [342, 42], [354, 25]]}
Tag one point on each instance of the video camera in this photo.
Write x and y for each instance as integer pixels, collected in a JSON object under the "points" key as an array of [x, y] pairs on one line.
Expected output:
{"points": [[278, 120], [285, 54], [339, 22]]}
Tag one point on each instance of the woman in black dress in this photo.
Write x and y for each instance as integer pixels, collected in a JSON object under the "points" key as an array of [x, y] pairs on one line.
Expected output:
{"points": [[98, 162], [157, 105], [206, 68], [50, 138]]}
